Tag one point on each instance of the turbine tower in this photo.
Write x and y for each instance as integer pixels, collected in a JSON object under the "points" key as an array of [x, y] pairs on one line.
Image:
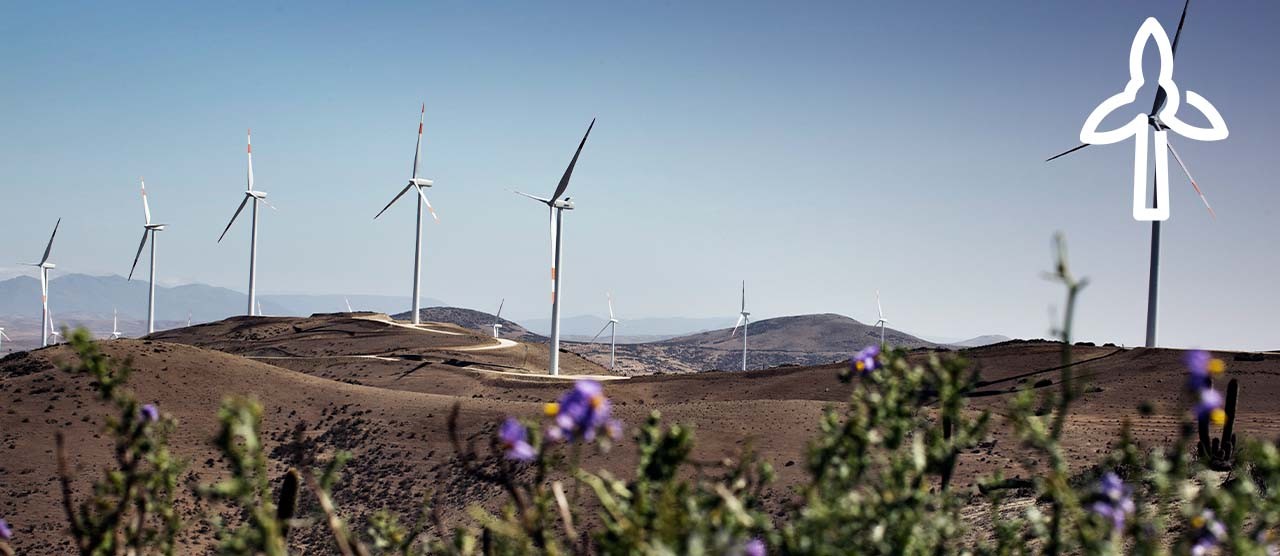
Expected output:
{"points": [[744, 319], [416, 183], [257, 196], [555, 209], [115, 325], [612, 325], [44, 265], [882, 321], [1158, 127], [498, 317], [148, 232]]}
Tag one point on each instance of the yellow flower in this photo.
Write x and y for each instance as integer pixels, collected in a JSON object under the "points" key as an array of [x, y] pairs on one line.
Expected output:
{"points": [[1197, 522], [552, 409], [860, 366], [1218, 416], [1216, 366]]}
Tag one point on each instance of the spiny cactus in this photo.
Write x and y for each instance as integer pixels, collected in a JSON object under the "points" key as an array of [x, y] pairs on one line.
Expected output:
{"points": [[1218, 454]]}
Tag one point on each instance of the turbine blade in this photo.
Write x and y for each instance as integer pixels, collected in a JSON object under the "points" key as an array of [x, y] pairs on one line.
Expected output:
{"points": [[146, 208], [417, 149], [428, 203], [744, 296], [879, 309], [5, 336], [568, 172], [593, 338], [741, 320], [1065, 153], [269, 205], [49, 247], [145, 232], [500, 304], [610, 298], [538, 199], [393, 201], [1193, 181], [243, 202], [248, 134], [1161, 97]]}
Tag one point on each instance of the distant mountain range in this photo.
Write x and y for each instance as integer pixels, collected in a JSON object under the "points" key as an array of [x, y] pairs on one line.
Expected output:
{"points": [[94, 297]]}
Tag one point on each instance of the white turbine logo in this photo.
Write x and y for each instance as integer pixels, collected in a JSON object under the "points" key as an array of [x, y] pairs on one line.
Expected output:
{"points": [[1162, 120]]}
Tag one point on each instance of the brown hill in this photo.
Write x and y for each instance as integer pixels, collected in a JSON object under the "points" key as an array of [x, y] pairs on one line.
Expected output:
{"points": [[796, 340], [391, 412]]}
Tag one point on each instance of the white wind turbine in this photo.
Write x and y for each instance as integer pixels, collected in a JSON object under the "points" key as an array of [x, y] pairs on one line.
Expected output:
{"points": [[744, 319], [556, 207], [57, 336], [257, 196], [188, 319], [115, 325], [613, 333], [44, 265], [148, 231], [417, 184], [881, 321], [498, 317]]}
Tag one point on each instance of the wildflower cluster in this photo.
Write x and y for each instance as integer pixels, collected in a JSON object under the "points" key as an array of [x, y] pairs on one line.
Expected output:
{"points": [[1206, 532], [1115, 503], [1201, 368]]}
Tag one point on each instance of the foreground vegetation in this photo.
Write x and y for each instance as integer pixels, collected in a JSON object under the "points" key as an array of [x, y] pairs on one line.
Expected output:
{"points": [[880, 479]]}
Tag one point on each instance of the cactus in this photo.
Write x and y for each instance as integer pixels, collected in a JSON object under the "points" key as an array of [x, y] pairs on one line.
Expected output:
{"points": [[1219, 454], [288, 502]]}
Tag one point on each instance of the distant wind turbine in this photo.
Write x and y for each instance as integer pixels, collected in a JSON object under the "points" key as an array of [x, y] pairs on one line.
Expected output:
{"points": [[188, 319], [498, 317], [115, 324], [882, 321], [348, 302], [57, 336], [555, 208], [417, 184], [257, 196], [148, 231], [744, 319], [613, 333], [45, 266]]}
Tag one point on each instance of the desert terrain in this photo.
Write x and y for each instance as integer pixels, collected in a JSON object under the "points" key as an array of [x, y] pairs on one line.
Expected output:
{"points": [[383, 390]]}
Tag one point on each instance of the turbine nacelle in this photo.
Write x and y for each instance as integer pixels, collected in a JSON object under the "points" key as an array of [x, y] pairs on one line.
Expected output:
{"points": [[155, 227], [565, 203], [420, 182], [256, 194]]}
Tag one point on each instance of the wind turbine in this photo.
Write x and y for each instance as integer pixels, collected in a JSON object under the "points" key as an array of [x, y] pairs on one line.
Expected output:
{"points": [[44, 265], [4, 336], [498, 317], [744, 319], [257, 196], [882, 321], [148, 231], [555, 209], [188, 319], [613, 333], [57, 336], [1159, 127], [115, 325], [417, 184]]}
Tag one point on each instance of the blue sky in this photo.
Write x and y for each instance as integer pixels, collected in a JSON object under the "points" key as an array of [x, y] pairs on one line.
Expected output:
{"points": [[819, 152]]}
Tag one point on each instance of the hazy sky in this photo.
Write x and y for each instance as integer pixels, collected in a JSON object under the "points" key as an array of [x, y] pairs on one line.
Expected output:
{"points": [[818, 151]]}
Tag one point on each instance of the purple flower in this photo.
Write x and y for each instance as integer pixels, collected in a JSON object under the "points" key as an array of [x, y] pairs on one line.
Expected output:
{"points": [[755, 547], [1207, 532], [515, 440], [1210, 406], [5, 532], [581, 412], [1116, 503], [149, 413], [1201, 367], [865, 361]]}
